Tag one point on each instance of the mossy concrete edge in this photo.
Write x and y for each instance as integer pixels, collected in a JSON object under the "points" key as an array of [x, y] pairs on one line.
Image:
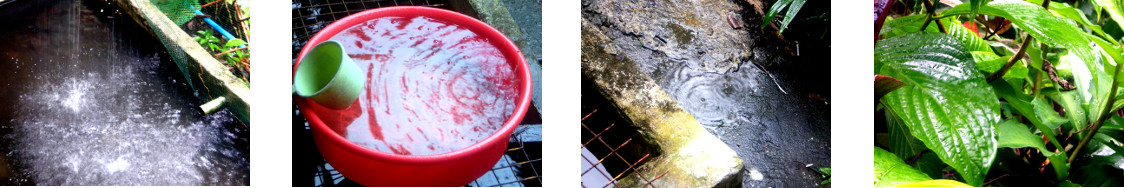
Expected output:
{"points": [[495, 14], [207, 75], [691, 156]]}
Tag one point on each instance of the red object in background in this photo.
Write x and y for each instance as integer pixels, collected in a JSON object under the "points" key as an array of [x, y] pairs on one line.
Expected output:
{"points": [[376, 168], [972, 27]]}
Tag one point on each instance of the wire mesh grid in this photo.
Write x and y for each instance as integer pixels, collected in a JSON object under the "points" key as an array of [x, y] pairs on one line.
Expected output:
{"points": [[520, 165], [608, 157], [228, 14], [309, 16]]}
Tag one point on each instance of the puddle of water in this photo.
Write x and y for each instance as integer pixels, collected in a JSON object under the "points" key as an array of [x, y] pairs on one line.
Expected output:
{"points": [[91, 100]]}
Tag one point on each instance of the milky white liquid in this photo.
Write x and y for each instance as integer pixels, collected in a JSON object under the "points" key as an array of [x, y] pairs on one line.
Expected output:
{"points": [[431, 87]]}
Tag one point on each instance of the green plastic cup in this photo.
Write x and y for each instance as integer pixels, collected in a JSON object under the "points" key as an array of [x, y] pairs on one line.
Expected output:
{"points": [[328, 76]]}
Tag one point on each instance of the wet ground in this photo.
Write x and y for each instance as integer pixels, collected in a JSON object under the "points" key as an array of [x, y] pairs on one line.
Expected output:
{"points": [[715, 71], [90, 98]]}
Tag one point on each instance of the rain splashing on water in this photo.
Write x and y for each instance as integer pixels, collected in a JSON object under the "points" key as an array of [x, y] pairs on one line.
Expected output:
{"points": [[91, 99]]}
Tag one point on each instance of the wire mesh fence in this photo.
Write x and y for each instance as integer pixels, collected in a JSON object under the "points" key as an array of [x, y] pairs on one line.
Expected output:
{"points": [[612, 153], [309, 16], [521, 164]]}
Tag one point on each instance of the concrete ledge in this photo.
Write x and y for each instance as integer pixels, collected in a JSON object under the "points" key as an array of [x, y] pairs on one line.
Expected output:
{"points": [[691, 156], [207, 75], [495, 14]]}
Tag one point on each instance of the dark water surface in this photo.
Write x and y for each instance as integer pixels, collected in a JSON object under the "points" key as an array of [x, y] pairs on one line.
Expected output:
{"points": [[88, 97]]}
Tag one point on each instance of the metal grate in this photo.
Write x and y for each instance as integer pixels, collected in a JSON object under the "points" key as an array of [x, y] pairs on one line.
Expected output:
{"points": [[309, 16], [620, 159], [521, 164]]}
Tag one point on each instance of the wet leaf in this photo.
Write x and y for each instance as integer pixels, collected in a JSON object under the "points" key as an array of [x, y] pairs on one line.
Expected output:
{"points": [[1072, 105], [889, 170], [946, 103], [1115, 9], [1013, 134], [234, 43], [791, 14], [970, 40], [976, 4], [776, 8], [884, 85], [1100, 169], [1064, 10], [1041, 24], [905, 25], [1038, 110], [988, 62], [902, 143]]}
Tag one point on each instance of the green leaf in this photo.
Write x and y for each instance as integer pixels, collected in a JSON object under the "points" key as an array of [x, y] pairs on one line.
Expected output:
{"points": [[777, 7], [902, 143], [235, 43], [946, 103], [1100, 167], [970, 40], [976, 4], [1063, 9], [884, 85], [932, 165], [889, 170], [827, 173], [1114, 9], [1044, 110], [1072, 104], [935, 183], [1013, 134], [791, 14], [1041, 24], [904, 25], [1037, 110], [1067, 183], [988, 62]]}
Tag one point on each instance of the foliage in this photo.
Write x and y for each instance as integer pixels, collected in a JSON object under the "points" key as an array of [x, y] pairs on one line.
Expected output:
{"points": [[793, 7], [968, 104], [230, 51]]}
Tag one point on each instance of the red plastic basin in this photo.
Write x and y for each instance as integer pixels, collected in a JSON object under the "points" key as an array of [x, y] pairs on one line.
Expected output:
{"points": [[377, 168]]}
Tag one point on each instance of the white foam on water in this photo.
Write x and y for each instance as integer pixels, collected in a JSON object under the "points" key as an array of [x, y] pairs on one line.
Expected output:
{"points": [[118, 128], [117, 165], [446, 85], [755, 175]]}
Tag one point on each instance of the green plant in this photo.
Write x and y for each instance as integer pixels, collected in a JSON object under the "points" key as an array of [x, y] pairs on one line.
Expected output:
{"points": [[1037, 106], [230, 51], [793, 7], [826, 175]]}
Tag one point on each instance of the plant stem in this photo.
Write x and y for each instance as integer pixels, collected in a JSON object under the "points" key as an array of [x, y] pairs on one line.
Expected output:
{"points": [[932, 14], [1037, 83], [228, 51], [882, 19], [1011, 62], [928, 18], [1038, 76], [1106, 112]]}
